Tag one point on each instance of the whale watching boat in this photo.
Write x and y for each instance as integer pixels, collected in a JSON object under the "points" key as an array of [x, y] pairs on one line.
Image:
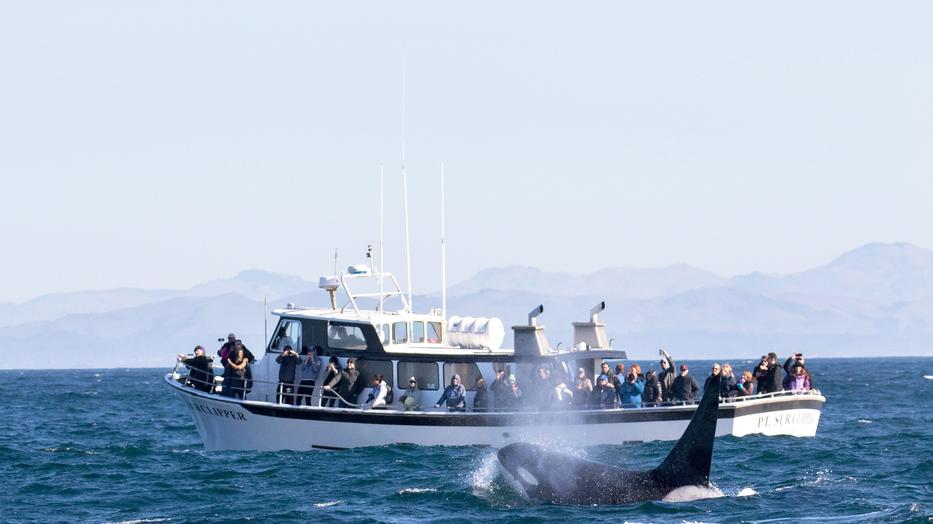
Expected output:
{"points": [[399, 343]]}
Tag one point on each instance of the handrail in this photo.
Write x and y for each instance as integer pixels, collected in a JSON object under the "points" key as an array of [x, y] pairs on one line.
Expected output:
{"points": [[217, 385]]}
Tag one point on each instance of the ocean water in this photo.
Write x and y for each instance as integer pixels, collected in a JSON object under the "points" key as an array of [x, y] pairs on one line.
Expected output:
{"points": [[117, 446]]}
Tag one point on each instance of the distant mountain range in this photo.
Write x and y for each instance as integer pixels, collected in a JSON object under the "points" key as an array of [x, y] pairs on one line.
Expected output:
{"points": [[874, 300]]}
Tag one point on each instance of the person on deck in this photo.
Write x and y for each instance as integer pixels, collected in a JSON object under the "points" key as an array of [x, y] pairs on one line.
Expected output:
{"points": [[727, 387], [605, 370], [224, 351], [331, 381], [200, 374], [685, 387], [350, 385], [746, 385], [288, 362], [500, 390], [652, 393], [667, 376], [632, 389], [307, 374], [235, 374], [605, 395], [799, 380], [581, 394], [377, 397], [481, 397], [410, 398], [454, 395]]}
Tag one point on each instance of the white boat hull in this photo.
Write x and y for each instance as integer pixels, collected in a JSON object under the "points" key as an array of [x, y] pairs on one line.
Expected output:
{"points": [[227, 423]]}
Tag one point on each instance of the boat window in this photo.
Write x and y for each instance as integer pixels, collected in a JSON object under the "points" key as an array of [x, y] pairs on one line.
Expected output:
{"points": [[287, 333], [345, 336], [468, 372], [368, 368], [385, 334], [400, 333], [417, 332], [434, 332], [424, 372]]}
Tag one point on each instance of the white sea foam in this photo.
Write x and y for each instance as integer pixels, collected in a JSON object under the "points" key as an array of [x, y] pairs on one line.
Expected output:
{"points": [[484, 475], [928, 377], [864, 421], [141, 521], [746, 492], [327, 504], [411, 491], [690, 493]]}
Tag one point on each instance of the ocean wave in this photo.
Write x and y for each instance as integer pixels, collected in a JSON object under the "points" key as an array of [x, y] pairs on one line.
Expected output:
{"points": [[414, 491]]}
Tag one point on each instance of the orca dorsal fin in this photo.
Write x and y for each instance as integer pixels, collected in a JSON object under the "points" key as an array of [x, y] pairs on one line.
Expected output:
{"points": [[689, 462]]}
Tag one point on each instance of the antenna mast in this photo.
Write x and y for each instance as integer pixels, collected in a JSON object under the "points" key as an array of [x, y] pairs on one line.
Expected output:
{"points": [[381, 221], [405, 199], [443, 251]]}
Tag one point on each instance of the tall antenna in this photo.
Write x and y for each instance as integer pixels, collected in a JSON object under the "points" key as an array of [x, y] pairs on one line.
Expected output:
{"points": [[335, 261], [381, 221], [443, 251], [405, 198], [265, 317]]}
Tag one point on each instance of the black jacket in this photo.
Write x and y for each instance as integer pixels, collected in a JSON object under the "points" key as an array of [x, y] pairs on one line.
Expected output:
{"points": [[287, 365], [481, 399], [652, 393], [684, 388], [350, 386], [501, 390], [200, 375]]}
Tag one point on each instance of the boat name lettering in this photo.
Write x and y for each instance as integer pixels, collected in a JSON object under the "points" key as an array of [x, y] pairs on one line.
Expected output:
{"points": [[235, 415], [786, 419]]}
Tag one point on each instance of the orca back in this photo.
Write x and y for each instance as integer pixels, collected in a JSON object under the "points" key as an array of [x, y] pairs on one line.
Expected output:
{"points": [[688, 464]]}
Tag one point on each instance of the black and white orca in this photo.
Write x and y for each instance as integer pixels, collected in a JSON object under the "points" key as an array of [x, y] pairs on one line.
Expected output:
{"points": [[541, 475]]}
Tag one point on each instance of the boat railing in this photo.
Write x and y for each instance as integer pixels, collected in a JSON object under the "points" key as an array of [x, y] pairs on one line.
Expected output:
{"points": [[215, 384]]}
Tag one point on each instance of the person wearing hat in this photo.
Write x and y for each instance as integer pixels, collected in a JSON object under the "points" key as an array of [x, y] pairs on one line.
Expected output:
{"points": [[310, 369], [200, 373], [350, 385], [410, 397], [685, 387], [605, 396], [799, 380], [454, 395]]}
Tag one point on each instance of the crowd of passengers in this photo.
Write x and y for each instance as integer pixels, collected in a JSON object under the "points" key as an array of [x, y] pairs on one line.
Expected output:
{"points": [[610, 388]]}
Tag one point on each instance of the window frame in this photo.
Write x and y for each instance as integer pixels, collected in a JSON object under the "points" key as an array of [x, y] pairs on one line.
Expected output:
{"points": [[469, 383], [421, 384]]}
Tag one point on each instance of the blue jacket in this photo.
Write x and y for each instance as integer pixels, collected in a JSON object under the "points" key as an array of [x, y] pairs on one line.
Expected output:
{"points": [[631, 392]]}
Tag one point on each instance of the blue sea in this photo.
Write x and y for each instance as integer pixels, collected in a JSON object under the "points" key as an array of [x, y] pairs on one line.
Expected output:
{"points": [[117, 446]]}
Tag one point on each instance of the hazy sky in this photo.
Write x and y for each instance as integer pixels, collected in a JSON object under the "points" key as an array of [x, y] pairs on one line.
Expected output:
{"points": [[161, 144]]}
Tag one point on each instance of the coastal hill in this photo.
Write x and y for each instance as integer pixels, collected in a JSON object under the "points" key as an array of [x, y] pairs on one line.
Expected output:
{"points": [[874, 300]]}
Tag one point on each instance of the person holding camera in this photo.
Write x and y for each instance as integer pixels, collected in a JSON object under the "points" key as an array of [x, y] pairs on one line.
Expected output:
{"points": [[667, 376], [632, 388], [790, 367], [761, 374], [307, 377], [288, 361]]}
